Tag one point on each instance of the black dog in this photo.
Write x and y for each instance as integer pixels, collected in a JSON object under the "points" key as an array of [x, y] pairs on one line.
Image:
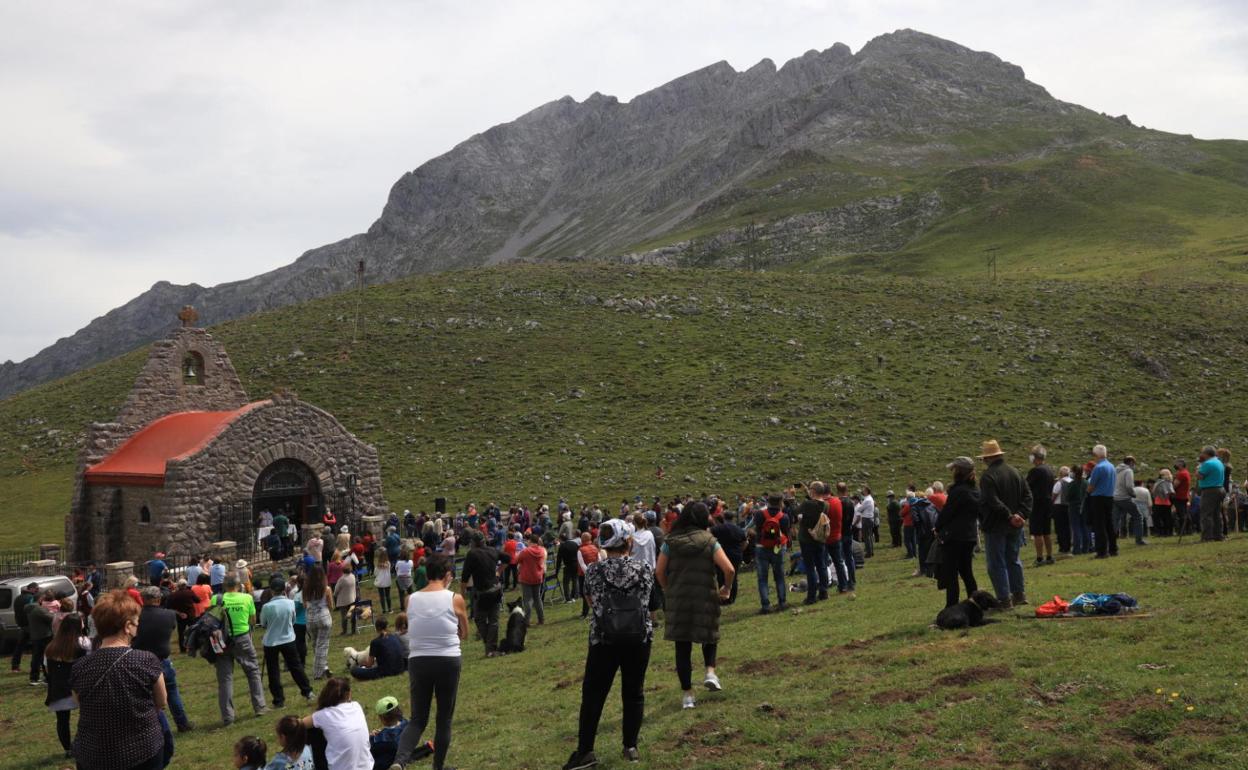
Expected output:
{"points": [[517, 629], [969, 613]]}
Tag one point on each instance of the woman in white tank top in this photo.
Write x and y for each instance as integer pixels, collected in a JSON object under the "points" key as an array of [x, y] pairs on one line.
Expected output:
{"points": [[437, 622]]}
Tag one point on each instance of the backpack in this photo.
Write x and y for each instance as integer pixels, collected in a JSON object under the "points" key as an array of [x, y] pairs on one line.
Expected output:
{"points": [[623, 619], [209, 635], [771, 535], [822, 529], [923, 515]]}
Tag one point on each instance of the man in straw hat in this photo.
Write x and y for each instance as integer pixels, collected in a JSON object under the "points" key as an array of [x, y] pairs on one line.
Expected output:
{"points": [[1005, 504]]}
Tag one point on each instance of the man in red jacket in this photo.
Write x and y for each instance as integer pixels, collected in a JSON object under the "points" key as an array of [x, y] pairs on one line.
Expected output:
{"points": [[532, 568], [1182, 494]]}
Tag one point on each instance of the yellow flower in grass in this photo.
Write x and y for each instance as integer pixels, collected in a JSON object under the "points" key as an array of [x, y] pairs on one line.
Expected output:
{"points": [[1174, 695], [1160, 691], [1191, 708]]}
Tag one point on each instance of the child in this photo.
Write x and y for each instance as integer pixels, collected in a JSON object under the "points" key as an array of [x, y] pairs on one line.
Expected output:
{"points": [[65, 648], [296, 754], [384, 743], [250, 753], [344, 726]]}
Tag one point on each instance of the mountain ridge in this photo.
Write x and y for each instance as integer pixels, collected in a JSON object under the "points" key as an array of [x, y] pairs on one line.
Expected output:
{"points": [[834, 159]]}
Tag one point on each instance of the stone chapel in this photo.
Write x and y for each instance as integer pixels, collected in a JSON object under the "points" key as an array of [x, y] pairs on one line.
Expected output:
{"points": [[190, 460]]}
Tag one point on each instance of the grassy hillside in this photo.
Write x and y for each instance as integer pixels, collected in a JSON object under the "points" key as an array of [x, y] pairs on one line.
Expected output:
{"points": [[1087, 198], [531, 382], [863, 684]]}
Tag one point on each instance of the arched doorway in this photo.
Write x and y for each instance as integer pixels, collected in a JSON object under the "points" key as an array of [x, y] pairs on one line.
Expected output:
{"points": [[288, 486]]}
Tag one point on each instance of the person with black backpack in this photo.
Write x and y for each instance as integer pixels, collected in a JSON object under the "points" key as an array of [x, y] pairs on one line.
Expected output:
{"points": [[618, 589]]}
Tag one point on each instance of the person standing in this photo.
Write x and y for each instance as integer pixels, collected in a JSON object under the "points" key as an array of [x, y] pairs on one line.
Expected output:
{"points": [[1100, 503], [281, 528], [956, 530], [67, 646], [183, 602], [383, 578], [619, 589], [1005, 504], [480, 569], [1061, 509], [345, 597], [832, 543], [847, 537], [120, 692], [732, 539], [1125, 510], [1211, 479], [438, 626], [1162, 494], [1040, 481], [686, 570], [239, 613], [318, 603], [39, 626], [773, 526], [894, 520], [586, 555], [278, 619], [812, 520], [216, 577], [864, 521], [1076, 506], [531, 574], [156, 627], [27, 596], [565, 564], [1182, 495]]}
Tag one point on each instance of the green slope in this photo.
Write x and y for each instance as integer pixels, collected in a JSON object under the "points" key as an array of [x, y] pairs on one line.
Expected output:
{"points": [[513, 383]]}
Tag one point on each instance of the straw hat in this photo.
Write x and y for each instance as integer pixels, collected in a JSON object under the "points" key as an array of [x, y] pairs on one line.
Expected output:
{"points": [[991, 449]]}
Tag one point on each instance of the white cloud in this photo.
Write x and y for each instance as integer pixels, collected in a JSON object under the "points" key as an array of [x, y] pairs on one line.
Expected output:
{"points": [[207, 141]]}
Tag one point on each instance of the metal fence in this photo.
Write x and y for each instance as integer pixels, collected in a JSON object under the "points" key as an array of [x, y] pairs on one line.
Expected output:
{"points": [[13, 561]]}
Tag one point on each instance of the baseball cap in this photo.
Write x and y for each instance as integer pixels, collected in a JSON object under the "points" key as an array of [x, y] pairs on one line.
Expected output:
{"points": [[386, 705]]}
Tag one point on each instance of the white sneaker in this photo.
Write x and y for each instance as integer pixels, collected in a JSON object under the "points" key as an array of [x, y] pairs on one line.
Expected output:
{"points": [[712, 683], [688, 702]]}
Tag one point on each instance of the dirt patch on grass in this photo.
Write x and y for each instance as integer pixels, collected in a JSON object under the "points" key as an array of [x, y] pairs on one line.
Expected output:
{"points": [[974, 676], [1059, 693], [768, 666], [885, 697]]}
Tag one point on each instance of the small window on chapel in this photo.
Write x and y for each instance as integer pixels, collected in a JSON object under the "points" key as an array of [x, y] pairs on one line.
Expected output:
{"points": [[193, 369], [145, 515]]}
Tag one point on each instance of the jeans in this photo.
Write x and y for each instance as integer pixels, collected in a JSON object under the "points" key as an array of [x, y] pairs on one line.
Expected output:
{"points": [[1124, 511], [684, 661], [957, 560], [847, 554], [580, 591], [22, 641], [1100, 521], [766, 559], [815, 559], [301, 642], [1005, 569], [242, 651], [1080, 534], [530, 597], [37, 646], [1139, 525], [348, 613], [320, 625], [1061, 522], [383, 594], [430, 677], [601, 663], [912, 542], [837, 559], [290, 655], [174, 695], [1211, 513], [485, 613], [867, 530]]}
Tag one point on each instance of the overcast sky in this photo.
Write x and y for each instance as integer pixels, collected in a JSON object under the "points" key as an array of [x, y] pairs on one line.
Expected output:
{"points": [[209, 141]]}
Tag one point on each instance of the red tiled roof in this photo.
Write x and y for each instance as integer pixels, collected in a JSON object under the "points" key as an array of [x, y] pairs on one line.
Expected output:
{"points": [[141, 460]]}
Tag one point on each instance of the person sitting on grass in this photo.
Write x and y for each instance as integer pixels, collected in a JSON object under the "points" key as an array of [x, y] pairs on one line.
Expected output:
{"points": [[296, 754], [250, 753], [344, 726], [385, 655]]}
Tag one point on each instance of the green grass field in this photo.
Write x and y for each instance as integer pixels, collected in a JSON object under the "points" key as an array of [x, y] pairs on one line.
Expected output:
{"points": [[863, 684]]}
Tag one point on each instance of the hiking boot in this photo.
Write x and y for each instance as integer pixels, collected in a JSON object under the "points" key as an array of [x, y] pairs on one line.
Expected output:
{"points": [[1018, 600], [712, 682], [631, 754], [1049, 559], [809, 600], [688, 701], [764, 610], [186, 728], [579, 761], [823, 596], [1039, 562]]}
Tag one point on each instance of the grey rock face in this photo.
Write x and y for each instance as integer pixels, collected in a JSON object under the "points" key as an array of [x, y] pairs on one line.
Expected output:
{"points": [[597, 178]]}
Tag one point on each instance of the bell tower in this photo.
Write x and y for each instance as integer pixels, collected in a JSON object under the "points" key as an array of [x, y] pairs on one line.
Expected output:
{"points": [[188, 371]]}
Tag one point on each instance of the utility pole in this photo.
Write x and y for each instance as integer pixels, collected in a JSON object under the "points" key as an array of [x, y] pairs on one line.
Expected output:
{"points": [[992, 262], [359, 295]]}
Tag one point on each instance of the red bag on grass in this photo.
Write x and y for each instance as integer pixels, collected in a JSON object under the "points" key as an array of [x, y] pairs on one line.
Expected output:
{"points": [[1052, 609]]}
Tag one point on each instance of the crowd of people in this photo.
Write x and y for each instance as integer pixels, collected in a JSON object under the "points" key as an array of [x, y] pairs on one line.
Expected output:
{"points": [[109, 654]]}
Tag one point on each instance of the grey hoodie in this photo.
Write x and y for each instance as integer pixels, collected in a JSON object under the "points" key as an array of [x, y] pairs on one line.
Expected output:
{"points": [[1124, 483]]}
